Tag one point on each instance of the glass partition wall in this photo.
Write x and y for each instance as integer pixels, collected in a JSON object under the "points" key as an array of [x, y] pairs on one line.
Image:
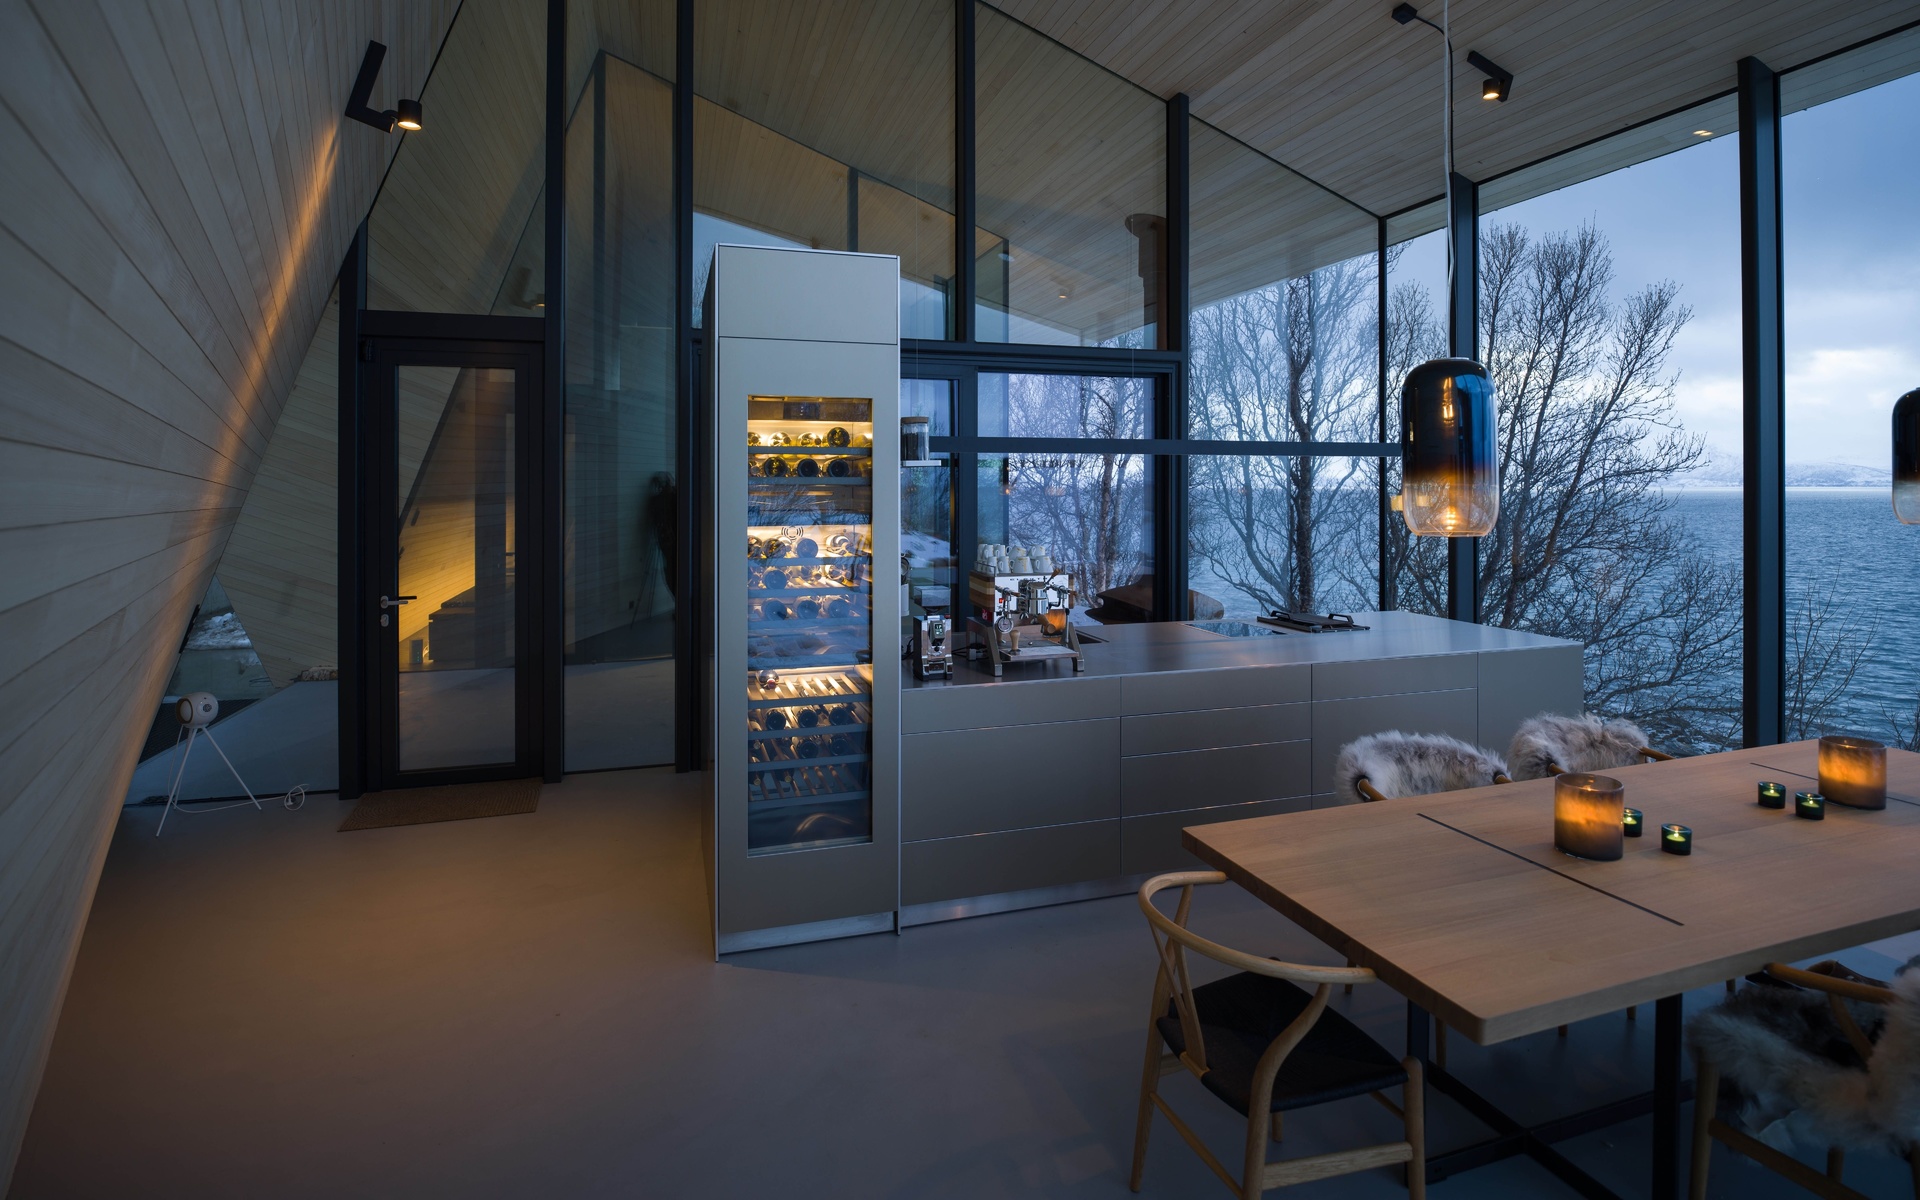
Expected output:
{"points": [[1168, 360]]}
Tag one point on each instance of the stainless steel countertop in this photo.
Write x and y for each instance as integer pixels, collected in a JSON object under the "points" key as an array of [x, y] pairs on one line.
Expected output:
{"points": [[1155, 647]]}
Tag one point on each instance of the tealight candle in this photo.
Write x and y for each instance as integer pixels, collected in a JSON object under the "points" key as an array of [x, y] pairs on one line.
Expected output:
{"points": [[1853, 771], [1676, 839], [1772, 795], [1588, 816], [1632, 821], [1811, 805]]}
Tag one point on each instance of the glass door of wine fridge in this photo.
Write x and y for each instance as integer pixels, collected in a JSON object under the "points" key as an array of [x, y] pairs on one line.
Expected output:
{"points": [[810, 581]]}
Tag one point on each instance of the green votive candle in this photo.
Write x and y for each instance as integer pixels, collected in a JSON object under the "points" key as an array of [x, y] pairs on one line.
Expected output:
{"points": [[1676, 839], [1811, 805], [1632, 821], [1772, 795]]}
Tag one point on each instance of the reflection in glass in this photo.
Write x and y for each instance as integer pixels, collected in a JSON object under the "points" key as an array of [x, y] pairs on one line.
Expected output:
{"points": [[456, 542], [829, 124], [926, 501], [1906, 458], [1071, 243], [620, 545]]}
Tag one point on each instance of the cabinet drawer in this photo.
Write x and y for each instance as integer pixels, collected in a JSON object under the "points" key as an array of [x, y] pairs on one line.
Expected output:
{"points": [[938, 707], [987, 864], [1207, 778], [1151, 844], [1394, 676], [1166, 733], [1337, 722], [984, 780], [1231, 687]]}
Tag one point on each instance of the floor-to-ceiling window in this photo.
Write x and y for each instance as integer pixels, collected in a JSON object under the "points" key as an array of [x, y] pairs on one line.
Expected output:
{"points": [[1071, 238], [1283, 347], [1610, 320], [830, 126], [1851, 258]]}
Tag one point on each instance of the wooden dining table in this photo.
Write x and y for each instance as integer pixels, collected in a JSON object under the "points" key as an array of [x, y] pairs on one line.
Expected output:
{"points": [[1461, 902]]}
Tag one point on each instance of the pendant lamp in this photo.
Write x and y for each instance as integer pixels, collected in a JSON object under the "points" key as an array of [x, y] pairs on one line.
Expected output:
{"points": [[1906, 458], [1449, 472], [1449, 465]]}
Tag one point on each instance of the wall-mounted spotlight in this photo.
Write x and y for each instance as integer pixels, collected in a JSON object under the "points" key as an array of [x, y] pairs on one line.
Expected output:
{"points": [[406, 116], [1499, 81]]}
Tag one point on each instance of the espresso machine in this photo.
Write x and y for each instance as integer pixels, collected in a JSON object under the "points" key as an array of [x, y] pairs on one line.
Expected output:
{"points": [[1024, 618]]}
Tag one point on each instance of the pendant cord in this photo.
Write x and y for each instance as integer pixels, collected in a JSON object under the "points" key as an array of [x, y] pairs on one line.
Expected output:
{"points": [[1446, 135]]}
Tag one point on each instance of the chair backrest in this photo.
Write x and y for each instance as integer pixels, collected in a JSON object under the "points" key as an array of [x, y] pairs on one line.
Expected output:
{"points": [[1548, 744], [1174, 982], [1411, 764], [1840, 985]]}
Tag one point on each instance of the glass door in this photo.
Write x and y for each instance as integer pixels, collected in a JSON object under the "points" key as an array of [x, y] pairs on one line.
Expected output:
{"points": [[449, 605]]}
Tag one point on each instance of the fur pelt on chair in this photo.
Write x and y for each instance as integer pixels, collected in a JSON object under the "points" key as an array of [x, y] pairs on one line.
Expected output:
{"points": [[1788, 1074], [1583, 743], [1412, 764]]}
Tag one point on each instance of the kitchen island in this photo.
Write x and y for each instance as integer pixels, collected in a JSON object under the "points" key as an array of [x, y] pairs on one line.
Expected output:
{"points": [[1046, 784]]}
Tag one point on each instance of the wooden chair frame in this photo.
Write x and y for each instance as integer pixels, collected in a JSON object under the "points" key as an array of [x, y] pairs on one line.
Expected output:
{"points": [[1709, 1128], [1173, 984]]}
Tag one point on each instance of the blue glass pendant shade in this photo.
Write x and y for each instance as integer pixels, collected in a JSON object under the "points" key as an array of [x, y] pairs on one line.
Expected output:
{"points": [[1906, 458], [1449, 469]]}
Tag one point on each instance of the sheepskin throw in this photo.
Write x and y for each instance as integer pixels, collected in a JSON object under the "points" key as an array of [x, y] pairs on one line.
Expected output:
{"points": [[1412, 764], [1789, 1076], [1583, 743]]}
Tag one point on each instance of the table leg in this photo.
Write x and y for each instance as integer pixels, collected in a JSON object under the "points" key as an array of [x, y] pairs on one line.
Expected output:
{"points": [[1666, 1098], [1419, 1032]]}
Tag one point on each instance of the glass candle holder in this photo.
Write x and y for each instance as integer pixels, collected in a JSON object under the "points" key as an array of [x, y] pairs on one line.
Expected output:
{"points": [[1853, 771], [1772, 795], [1676, 839], [1632, 822], [1810, 805], [1588, 816]]}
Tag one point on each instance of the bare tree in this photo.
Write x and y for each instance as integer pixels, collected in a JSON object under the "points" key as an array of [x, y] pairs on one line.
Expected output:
{"points": [[1092, 512], [1821, 665], [1290, 362]]}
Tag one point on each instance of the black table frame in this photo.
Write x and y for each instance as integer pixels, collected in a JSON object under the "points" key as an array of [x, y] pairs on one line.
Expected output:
{"points": [[1512, 1137]]}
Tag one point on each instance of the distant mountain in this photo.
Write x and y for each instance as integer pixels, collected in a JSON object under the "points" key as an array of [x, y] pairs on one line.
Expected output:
{"points": [[1722, 469]]}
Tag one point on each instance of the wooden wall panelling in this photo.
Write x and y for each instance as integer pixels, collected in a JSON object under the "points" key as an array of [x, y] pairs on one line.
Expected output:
{"points": [[179, 189]]}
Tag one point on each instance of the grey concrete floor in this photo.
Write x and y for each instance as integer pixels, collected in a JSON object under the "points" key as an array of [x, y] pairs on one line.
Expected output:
{"points": [[526, 1006]]}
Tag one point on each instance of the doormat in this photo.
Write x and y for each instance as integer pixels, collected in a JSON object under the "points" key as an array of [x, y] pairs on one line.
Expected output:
{"points": [[450, 802]]}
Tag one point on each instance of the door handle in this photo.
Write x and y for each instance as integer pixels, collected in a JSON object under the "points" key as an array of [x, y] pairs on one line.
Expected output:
{"points": [[395, 601]]}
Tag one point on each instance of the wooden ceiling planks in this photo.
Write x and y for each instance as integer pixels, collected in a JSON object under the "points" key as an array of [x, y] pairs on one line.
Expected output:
{"points": [[1348, 97]]}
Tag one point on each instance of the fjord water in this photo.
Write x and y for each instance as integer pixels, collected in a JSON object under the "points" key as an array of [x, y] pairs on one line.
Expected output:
{"points": [[1844, 542]]}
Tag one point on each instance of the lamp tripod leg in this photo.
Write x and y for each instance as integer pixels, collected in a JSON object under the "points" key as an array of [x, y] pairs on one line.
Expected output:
{"points": [[236, 771], [179, 773]]}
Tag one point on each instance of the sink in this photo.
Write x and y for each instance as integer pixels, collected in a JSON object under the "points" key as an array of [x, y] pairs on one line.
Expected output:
{"points": [[1238, 629]]}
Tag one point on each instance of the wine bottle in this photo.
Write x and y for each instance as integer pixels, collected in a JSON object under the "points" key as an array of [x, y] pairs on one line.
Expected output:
{"points": [[809, 718], [840, 714], [807, 747], [838, 437], [838, 609], [806, 608], [840, 468], [774, 610], [773, 719], [773, 466], [807, 468]]}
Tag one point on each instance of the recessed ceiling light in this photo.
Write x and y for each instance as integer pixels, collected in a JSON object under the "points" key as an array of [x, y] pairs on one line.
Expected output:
{"points": [[1703, 133]]}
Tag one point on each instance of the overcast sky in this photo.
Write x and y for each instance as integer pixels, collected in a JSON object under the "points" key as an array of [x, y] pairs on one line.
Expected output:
{"points": [[1852, 180]]}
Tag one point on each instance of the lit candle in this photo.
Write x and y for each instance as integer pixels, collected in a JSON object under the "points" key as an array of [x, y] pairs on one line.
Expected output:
{"points": [[1772, 795], [1588, 816], [1676, 839], [1811, 805], [1853, 771], [1632, 820]]}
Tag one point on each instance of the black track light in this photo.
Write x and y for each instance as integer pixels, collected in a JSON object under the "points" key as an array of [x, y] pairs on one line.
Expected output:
{"points": [[406, 116], [1499, 82]]}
